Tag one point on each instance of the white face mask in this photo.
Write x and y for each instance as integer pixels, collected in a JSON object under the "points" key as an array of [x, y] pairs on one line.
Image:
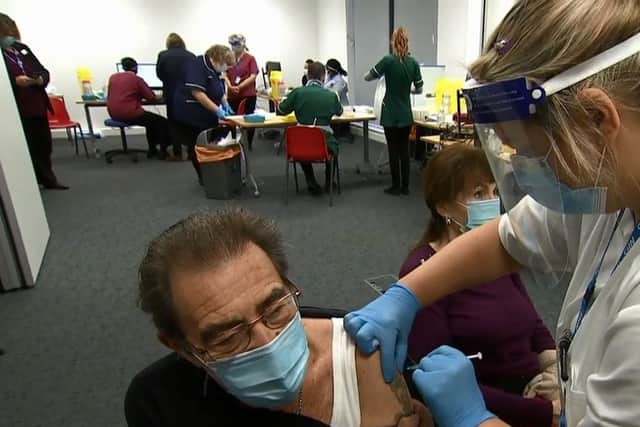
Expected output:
{"points": [[221, 68]]}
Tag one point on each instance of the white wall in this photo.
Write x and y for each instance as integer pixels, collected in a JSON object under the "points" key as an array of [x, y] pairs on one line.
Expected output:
{"points": [[332, 31], [496, 10], [459, 35], [18, 188], [66, 34]]}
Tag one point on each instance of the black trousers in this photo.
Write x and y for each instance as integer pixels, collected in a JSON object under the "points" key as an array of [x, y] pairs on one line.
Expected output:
{"points": [[174, 131], [249, 108], [157, 130], [398, 146], [310, 177], [177, 137], [341, 130], [38, 136]]}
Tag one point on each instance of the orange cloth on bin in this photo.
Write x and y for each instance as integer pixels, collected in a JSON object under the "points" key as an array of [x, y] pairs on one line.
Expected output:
{"points": [[206, 154]]}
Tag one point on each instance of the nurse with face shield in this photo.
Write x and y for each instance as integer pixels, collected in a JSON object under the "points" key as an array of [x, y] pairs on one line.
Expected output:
{"points": [[555, 99]]}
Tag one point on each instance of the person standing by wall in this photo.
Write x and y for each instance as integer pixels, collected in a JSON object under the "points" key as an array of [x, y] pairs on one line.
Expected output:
{"points": [[28, 79], [171, 68], [241, 79], [400, 70]]}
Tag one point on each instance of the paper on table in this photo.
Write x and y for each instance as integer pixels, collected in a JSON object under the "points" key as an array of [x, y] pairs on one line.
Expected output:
{"points": [[364, 109]]}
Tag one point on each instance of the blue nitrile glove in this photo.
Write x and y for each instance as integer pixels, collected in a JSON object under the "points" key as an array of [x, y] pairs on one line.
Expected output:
{"points": [[221, 113], [227, 109], [385, 323], [447, 382]]}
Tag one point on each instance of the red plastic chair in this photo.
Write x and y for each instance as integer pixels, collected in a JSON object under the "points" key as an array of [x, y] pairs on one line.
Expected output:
{"points": [[60, 119], [308, 144]]}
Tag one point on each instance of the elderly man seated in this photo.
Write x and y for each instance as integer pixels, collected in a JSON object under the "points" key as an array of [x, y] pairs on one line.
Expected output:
{"points": [[216, 287]]}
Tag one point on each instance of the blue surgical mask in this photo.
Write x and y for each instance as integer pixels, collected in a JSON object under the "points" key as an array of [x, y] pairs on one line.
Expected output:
{"points": [[535, 177], [7, 41], [480, 212], [269, 376]]}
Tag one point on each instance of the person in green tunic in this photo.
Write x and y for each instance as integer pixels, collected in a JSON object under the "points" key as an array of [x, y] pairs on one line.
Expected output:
{"points": [[314, 105], [400, 70]]}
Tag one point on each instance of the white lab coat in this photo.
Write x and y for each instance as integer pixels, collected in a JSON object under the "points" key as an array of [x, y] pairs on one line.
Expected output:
{"points": [[604, 381]]}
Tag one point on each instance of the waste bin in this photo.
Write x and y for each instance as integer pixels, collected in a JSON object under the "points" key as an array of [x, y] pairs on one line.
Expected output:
{"points": [[221, 171]]}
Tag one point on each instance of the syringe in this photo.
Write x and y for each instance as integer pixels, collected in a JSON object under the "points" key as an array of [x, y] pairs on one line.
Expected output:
{"points": [[478, 356]]}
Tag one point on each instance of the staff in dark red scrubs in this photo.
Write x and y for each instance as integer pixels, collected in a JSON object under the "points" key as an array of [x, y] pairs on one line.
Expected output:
{"points": [[28, 80], [241, 79]]}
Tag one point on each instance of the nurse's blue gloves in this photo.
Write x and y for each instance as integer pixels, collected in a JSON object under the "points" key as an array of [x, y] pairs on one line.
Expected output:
{"points": [[227, 109], [221, 113], [447, 382], [385, 323]]}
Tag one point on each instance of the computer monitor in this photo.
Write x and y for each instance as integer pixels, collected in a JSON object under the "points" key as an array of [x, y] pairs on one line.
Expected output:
{"points": [[148, 73]]}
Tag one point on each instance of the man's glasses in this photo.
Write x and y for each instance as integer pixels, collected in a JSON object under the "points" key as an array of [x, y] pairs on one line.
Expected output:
{"points": [[238, 338]]}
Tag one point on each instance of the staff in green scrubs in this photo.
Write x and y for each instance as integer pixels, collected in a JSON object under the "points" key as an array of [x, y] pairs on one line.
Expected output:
{"points": [[400, 70], [314, 106]]}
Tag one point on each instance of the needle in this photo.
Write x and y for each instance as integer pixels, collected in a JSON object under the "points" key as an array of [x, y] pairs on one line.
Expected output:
{"points": [[478, 356]]}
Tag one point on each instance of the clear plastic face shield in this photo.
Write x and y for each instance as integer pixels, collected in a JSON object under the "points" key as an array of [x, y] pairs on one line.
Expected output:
{"points": [[510, 121]]}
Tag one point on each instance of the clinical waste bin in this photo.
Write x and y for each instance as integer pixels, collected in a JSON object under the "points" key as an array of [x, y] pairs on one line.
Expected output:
{"points": [[221, 171]]}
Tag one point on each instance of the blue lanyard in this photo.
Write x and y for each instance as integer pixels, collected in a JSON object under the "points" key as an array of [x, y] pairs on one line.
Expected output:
{"points": [[16, 60], [587, 298], [588, 293]]}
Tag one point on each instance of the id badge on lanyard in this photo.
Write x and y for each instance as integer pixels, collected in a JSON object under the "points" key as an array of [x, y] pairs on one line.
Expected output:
{"points": [[587, 300], [16, 60]]}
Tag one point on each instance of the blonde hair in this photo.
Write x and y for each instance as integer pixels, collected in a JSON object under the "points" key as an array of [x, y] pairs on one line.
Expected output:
{"points": [[539, 39], [221, 54], [400, 42]]}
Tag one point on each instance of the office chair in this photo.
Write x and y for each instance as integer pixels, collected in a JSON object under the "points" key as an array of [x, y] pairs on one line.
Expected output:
{"points": [[125, 151]]}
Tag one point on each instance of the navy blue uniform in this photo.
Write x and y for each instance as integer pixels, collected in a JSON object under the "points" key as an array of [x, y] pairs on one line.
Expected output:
{"points": [[171, 68], [200, 75], [191, 117]]}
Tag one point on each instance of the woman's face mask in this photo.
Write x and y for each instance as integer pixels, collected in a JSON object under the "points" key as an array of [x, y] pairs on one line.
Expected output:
{"points": [[7, 41], [479, 212], [481, 207], [221, 68], [535, 176]]}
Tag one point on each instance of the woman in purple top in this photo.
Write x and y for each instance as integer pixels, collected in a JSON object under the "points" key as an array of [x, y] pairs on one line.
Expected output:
{"points": [[29, 79], [517, 373]]}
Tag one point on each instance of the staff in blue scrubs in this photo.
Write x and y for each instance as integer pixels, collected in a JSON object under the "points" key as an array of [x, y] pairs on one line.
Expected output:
{"points": [[201, 101]]}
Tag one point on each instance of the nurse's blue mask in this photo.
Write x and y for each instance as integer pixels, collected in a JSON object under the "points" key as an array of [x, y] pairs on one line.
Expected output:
{"points": [[269, 376], [7, 41], [535, 176]]}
